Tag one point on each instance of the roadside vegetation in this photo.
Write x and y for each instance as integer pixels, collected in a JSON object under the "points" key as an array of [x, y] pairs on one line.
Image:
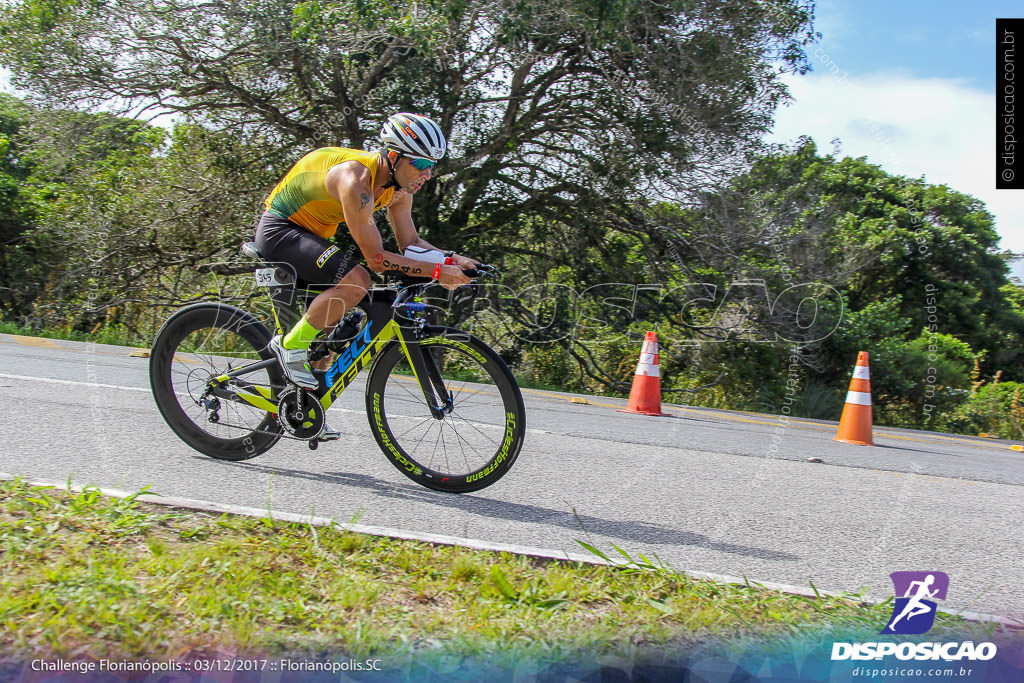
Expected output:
{"points": [[84, 575]]}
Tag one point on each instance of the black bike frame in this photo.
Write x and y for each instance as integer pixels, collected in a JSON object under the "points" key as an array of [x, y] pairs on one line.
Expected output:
{"points": [[390, 315]]}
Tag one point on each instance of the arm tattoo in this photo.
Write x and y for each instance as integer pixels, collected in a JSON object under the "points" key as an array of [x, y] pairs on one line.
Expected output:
{"points": [[388, 265], [364, 199]]}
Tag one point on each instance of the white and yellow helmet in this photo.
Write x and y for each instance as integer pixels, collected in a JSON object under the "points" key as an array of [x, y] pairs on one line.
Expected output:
{"points": [[414, 135]]}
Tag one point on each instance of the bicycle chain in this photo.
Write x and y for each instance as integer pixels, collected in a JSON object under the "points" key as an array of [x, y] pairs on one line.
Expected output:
{"points": [[283, 433]]}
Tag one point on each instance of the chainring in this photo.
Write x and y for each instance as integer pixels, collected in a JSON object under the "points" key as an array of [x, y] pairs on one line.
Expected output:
{"points": [[306, 426]]}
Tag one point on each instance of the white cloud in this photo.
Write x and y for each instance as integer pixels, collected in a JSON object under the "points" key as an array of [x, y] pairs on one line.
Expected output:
{"points": [[942, 129]]}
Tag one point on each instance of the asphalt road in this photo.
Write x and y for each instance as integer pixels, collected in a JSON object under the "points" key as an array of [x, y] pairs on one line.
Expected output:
{"points": [[705, 490]]}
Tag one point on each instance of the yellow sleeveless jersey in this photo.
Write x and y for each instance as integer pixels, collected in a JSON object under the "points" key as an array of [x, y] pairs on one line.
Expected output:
{"points": [[302, 195]]}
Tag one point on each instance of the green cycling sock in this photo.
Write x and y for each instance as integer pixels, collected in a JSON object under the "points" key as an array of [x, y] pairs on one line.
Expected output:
{"points": [[301, 336]]}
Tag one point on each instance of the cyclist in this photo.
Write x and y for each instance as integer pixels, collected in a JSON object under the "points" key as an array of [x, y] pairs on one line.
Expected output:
{"points": [[335, 185]]}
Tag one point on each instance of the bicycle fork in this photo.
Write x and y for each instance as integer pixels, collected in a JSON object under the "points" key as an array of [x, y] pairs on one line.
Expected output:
{"points": [[439, 400]]}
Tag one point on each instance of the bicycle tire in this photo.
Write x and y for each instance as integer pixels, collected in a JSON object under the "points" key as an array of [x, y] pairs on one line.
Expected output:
{"points": [[173, 347], [497, 425]]}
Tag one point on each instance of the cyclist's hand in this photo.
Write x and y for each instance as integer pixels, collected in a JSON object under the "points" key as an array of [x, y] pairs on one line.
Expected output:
{"points": [[464, 262], [452, 277]]}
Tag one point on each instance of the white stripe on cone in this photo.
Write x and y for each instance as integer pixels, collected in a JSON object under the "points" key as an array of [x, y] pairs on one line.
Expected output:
{"points": [[859, 398], [648, 371], [862, 372]]}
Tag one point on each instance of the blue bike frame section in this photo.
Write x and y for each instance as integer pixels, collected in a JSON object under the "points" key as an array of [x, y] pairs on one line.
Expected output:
{"points": [[350, 355]]}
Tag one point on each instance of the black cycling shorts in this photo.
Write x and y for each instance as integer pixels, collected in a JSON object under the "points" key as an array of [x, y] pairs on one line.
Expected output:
{"points": [[317, 261]]}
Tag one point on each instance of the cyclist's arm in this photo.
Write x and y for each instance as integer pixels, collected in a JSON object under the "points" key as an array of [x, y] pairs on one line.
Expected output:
{"points": [[349, 183], [400, 216]]}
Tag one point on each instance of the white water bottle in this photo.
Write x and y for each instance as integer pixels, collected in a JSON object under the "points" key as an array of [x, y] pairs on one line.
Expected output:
{"points": [[422, 254]]}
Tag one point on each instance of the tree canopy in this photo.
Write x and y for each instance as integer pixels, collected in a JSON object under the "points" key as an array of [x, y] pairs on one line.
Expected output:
{"points": [[562, 112]]}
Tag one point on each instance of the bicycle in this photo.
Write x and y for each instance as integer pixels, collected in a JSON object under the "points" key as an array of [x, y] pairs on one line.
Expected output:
{"points": [[442, 405]]}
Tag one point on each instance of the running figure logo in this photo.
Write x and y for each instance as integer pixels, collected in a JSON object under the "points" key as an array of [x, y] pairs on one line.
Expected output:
{"points": [[913, 610]]}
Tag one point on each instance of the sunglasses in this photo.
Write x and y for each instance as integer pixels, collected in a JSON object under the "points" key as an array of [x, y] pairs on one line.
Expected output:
{"points": [[421, 164]]}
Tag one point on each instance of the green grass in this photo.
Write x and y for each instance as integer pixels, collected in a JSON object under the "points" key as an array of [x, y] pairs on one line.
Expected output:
{"points": [[84, 574], [112, 334]]}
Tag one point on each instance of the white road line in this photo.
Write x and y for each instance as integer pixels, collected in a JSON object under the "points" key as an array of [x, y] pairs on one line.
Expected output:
{"points": [[472, 543], [334, 409], [48, 380]]}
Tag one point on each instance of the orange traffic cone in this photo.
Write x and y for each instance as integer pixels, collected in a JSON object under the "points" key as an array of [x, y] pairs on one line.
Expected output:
{"points": [[855, 423], [645, 395]]}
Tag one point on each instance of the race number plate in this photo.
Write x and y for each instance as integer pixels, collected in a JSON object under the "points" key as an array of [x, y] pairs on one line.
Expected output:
{"points": [[265, 277]]}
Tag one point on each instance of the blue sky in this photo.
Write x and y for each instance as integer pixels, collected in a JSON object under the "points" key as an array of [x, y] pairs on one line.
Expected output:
{"points": [[911, 86], [942, 39]]}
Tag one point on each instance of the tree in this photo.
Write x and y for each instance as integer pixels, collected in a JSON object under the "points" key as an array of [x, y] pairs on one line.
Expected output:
{"points": [[800, 217], [562, 115], [115, 214], [19, 203], [890, 256]]}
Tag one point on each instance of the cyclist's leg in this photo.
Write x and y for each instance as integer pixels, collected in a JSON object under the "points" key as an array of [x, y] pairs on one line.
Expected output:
{"points": [[320, 263], [331, 304], [315, 260]]}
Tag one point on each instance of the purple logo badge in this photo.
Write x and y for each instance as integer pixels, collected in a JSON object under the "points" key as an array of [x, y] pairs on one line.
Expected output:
{"points": [[913, 610]]}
